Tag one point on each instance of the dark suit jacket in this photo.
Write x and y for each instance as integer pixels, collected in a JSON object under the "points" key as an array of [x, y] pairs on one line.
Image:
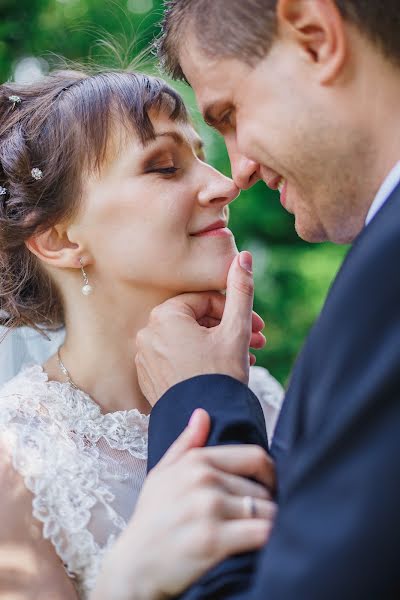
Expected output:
{"points": [[336, 447]]}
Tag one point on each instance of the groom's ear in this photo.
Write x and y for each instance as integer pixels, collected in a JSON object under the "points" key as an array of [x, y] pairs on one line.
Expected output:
{"points": [[318, 30]]}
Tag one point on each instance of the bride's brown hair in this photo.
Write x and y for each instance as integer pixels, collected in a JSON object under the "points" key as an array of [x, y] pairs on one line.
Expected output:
{"points": [[59, 125]]}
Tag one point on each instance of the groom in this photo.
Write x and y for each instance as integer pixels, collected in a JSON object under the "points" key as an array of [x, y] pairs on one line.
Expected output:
{"points": [[307, 96]]}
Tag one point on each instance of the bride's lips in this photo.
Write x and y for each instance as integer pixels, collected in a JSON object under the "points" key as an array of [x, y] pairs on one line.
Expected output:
{"points": [[218, 229]]}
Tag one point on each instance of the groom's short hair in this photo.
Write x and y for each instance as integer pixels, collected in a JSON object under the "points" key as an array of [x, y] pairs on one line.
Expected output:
{"points": [[245, 29]]}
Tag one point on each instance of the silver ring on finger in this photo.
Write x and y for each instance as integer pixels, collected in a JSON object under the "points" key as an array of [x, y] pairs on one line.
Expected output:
{"points": [[249, 507]]}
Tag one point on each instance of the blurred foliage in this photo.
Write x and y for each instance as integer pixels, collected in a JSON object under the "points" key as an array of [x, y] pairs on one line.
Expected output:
{"points": [[292, 277]]}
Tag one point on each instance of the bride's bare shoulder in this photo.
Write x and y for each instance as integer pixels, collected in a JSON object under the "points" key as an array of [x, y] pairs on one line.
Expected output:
{"points": [[29, 565]]}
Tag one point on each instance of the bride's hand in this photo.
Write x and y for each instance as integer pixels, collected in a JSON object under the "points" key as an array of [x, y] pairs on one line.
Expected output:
{"points": [[191, 515]]}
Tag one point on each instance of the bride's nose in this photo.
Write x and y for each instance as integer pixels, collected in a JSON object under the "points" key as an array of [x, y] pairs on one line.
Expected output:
{"points": [[217, 190]]}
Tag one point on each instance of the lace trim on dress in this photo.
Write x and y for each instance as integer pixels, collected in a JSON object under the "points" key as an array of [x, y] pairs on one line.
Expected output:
{"points": [[123, 430], [51, 431], [267, 389], [270, 394]]}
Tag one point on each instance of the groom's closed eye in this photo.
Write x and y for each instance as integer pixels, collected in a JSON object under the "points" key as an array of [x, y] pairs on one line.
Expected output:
{"points": [[226, 118], [218, 115]]}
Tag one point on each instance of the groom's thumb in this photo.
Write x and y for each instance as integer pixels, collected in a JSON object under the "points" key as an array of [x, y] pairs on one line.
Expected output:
{"points": [[194, 436], [239, 298]]}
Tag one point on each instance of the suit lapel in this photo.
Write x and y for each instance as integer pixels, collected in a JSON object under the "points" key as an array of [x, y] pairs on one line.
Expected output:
{"points": [[304, 405]]}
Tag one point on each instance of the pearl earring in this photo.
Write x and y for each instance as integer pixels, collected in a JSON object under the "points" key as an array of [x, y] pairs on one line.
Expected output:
{"points": [[87, 289]]}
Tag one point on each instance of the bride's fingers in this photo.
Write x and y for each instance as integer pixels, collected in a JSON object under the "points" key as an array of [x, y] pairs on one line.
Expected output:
{"points": [[241, 535], [235, 508], [244, 459], [240, 486], [252, 360]]}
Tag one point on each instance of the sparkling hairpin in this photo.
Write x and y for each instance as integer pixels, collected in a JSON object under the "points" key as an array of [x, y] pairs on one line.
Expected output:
{"points": [[15, 100], [37, 173], [3, 191]]}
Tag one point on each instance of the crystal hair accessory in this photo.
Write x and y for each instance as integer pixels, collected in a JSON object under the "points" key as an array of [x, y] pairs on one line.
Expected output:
{"points": [[3, 191], [37, 173], [15, 100], [87, 289]]}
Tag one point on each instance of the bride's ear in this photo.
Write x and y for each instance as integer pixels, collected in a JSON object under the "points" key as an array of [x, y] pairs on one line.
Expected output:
{"points": [[54, 248]]}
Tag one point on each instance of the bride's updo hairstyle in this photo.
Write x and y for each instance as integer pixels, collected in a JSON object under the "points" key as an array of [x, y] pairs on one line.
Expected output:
{"points": [[52, 133]]}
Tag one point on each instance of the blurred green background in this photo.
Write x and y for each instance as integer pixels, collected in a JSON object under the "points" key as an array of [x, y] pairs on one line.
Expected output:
{"points": [[292, 277]]}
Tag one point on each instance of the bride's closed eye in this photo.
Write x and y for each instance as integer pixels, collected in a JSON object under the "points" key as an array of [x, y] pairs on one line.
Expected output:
{"points": [[163, 170], [163, 163]]}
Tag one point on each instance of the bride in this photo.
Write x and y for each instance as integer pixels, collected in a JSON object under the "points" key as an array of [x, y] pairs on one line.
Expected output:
{"points": [[107, 209]]}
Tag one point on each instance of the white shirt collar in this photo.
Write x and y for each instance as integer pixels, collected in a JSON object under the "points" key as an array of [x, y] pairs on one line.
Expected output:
{"points": [[387, 187]]}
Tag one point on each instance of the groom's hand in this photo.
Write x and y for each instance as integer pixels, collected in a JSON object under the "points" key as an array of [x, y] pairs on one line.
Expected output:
{"points": [[197, 334]]}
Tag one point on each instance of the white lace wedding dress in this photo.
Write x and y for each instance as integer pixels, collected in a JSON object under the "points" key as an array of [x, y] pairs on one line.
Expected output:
{"points": [[85, 469]]}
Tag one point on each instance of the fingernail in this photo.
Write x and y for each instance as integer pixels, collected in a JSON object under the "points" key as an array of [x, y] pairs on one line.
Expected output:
{"points": [[246, 262], [193, 418]]}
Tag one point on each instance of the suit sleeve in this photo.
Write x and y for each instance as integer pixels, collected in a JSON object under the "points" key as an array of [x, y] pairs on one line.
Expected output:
{"points": [[236, 418], [236, 414], [337, 533], [337, 530]]}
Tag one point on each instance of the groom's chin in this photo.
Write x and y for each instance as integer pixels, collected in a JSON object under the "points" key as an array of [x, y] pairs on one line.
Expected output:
{"points": [[309, 229]]}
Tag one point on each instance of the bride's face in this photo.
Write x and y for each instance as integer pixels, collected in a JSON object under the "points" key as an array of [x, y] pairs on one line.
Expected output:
{"points": [[143, 219]]}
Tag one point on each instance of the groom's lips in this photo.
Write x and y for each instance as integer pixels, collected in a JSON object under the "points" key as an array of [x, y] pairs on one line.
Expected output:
{"points": [[281, 184], [273, 182], [215, 229]]}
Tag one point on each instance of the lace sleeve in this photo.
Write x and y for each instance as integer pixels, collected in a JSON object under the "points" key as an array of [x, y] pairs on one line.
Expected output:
{"points": [[67, 483], [270, 394]]}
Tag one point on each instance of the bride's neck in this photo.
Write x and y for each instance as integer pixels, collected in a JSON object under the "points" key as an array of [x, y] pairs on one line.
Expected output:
{"points": [[100, 348]]}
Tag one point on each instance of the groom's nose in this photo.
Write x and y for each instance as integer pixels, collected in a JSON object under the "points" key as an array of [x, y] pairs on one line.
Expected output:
{"points": [[245, 172]]}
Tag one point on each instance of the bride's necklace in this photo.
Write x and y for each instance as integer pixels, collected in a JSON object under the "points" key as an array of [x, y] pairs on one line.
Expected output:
{"points": [[65, 370]]}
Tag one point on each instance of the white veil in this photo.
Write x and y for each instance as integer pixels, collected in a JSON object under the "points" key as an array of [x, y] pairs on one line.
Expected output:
{"points": [[23, 346]]}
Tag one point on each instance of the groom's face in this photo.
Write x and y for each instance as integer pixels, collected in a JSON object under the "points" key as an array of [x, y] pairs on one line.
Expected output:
{"points": [[282, 125]]}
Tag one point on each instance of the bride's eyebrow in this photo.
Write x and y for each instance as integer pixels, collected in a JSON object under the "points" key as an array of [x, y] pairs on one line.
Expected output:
{"points": [[180, 140], [177, 137]]}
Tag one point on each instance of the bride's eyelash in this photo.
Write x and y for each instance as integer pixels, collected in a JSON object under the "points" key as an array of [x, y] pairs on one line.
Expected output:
{"points": [[165, 170], [168, 170]]}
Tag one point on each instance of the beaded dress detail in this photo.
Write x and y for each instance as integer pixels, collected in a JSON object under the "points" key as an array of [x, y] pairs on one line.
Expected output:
{"points": [[84, 468]]}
